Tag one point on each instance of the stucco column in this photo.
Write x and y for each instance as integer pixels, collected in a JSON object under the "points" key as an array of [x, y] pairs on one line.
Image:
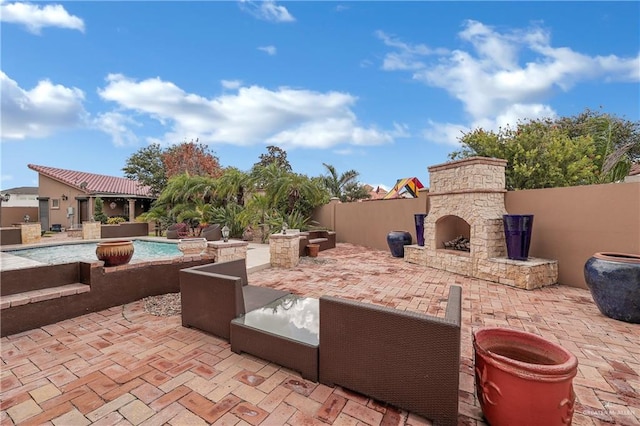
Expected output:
{"points": [[284, 249], [132, 209]]}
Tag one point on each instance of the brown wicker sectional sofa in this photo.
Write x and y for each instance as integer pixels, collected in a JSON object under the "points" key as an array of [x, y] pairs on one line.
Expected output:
{"points": [[214, 294], [407, 359]]}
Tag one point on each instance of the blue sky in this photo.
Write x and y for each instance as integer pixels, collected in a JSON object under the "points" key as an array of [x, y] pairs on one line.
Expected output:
{"points": [[384, 88]]}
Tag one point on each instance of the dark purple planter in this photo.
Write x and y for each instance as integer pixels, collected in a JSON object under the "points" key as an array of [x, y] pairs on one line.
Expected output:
{"points": [[614, 282], [517, 233], [419, 218], [397, 240]]}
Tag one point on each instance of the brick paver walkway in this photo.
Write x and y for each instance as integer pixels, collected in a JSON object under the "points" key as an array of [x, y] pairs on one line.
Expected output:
{"points": [[125, 366]]}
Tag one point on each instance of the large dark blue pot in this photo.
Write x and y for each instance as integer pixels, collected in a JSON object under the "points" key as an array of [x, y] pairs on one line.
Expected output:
{"points": [[517, 233], [419, 218], [614, 282], [397, 240]]}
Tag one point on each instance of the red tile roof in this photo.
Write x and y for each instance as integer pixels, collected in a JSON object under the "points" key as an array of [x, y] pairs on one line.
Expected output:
{"points": [[635, 169], [95, 184]]}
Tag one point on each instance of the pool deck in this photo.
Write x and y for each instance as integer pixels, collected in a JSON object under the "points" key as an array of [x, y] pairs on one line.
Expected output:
{"points": [[257, 254], [126, 366]]}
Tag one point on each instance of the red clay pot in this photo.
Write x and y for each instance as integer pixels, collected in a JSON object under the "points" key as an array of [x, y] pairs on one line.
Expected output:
{"points": [[523, 379]]}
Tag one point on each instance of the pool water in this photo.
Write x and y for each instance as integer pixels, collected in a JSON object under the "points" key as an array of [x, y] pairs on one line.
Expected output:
{"points": [[143, 250]]}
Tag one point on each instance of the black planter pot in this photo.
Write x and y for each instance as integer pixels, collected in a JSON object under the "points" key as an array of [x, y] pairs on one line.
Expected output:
{"points": [[517, 233], [614, 282], [397, 240]]}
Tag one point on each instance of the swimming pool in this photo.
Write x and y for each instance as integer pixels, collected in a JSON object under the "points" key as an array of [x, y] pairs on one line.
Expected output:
{"points": [[65, 253]]}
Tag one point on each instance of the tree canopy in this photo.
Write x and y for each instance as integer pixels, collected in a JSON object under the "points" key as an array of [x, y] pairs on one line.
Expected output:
{"points": [[191, 157], [275, 155], [146, 166], [344, 186], [589, 148], [153, 166]]}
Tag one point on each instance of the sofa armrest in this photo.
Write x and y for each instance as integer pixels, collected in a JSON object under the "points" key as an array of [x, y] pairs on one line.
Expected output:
{"points": [[234, 268], [407, 359], [210, 301]]}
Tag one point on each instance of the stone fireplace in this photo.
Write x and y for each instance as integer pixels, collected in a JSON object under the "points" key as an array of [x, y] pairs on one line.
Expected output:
{"points": [[466, 200]]}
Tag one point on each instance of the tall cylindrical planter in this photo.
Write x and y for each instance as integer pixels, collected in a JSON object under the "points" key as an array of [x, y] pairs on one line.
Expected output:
{"points": [[523, 379], [397, 240], [614, 282], [419, 218], [517, 233]]}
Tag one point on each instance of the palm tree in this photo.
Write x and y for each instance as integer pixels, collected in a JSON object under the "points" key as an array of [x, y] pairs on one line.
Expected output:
{"points": [[337, 185], [294, 191], [233, 184]]}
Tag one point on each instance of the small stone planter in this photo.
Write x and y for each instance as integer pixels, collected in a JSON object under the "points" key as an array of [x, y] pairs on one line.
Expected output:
{"points": [[192, 246]]}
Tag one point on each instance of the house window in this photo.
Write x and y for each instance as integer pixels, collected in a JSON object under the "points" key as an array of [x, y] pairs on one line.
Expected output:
{"points": [[55, 203]]}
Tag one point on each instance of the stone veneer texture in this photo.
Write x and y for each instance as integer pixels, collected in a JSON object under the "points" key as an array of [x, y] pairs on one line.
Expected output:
{"points": [[284, 250], [473, 189]]}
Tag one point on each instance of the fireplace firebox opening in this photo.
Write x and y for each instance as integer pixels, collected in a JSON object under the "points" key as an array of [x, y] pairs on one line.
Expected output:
{"points": [[453, 233]]}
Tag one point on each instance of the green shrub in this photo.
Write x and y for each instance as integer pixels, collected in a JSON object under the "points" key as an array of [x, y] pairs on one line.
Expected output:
{"points": [[98, 214], [114, 220]]}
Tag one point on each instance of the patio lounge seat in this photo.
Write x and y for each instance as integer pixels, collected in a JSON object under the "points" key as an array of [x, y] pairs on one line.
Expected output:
{"points": [[325, 239], [407, 359], [212, 233], [214, 294], [177, 230]]}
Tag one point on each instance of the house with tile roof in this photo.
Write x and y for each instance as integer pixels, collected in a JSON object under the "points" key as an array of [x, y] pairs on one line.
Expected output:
{"points": [[66, 198], [634, 173]]}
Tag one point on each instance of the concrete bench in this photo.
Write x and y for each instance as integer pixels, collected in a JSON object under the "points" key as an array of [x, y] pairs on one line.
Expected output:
{"points": [[34, 296], [325, 239], [317, 240]]}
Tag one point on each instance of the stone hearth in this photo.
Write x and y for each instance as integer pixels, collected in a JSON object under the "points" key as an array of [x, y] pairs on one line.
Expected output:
{"points": [[466, 199]]}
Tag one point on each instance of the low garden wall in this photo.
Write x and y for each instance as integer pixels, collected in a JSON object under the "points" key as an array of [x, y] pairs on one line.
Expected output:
{"points": [[127, 229], [10, 235], [109, 287]]}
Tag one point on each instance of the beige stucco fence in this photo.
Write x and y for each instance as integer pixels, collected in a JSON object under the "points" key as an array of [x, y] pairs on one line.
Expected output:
{"points": [[570, 224]]}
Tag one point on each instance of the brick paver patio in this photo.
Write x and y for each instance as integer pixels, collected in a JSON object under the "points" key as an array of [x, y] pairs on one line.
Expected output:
{"points": [[125, 366]]}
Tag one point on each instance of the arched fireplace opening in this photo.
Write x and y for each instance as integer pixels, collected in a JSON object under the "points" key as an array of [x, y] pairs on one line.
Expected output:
{"points": [[453, 233]]}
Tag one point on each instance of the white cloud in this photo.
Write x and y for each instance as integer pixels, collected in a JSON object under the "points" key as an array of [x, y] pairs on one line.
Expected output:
{"points": [[450, 133], [117, 125], [251, 115], [40, 111], [267, 10], [270, 50], [492, 81], [36, 17], [231, 84], [445, 133], [406, 56]]}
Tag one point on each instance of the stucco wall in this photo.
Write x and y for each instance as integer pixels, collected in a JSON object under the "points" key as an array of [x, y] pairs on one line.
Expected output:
{"points": [[570, 224], [368, 223], [11, 215]]}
